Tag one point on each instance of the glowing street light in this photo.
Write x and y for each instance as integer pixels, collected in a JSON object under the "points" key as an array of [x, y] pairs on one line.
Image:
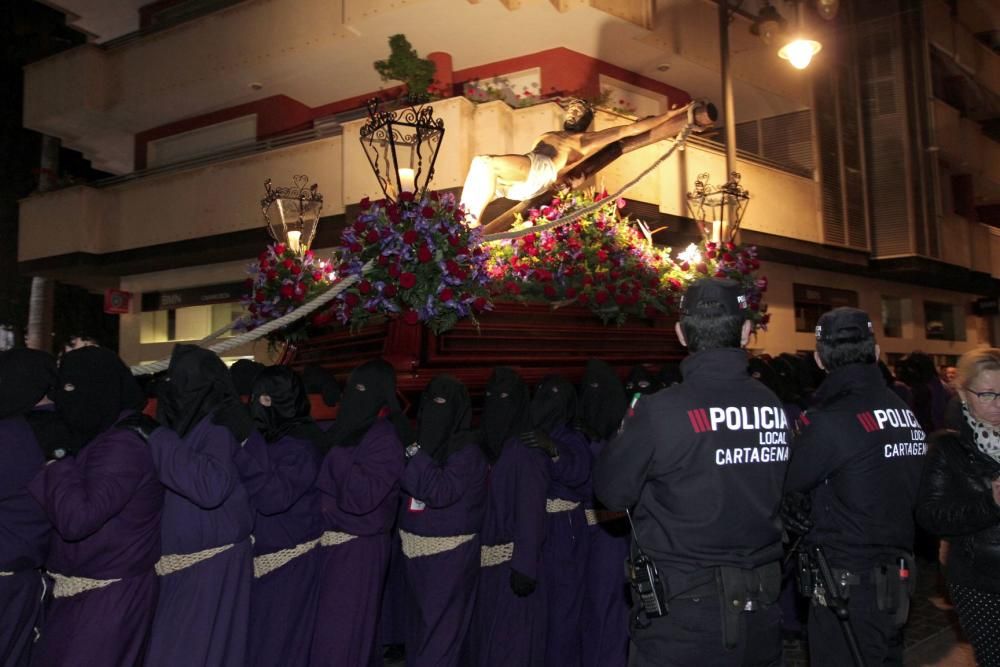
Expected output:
{"points": [[799, 52]]}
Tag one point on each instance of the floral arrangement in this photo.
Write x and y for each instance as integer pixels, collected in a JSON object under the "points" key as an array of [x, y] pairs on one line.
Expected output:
{"points": [[429, 267], [606, 263], [501, 88], [280, 281]]}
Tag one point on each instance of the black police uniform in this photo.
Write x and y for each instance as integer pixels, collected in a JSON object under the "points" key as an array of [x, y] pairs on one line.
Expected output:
{"points": [[703, 463], [859, 451]]}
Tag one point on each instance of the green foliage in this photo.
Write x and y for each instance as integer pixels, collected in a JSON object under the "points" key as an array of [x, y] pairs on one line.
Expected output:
{"points": [[403, 64]]}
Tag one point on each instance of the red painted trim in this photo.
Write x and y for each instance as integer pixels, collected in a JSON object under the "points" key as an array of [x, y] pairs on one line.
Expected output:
{"points": [[563, 72]]}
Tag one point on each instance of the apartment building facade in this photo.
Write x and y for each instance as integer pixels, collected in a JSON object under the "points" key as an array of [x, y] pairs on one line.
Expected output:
{"points": [[874, 174]]}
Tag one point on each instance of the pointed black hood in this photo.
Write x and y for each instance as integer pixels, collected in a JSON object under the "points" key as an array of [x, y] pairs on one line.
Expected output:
{"points": [[287, 409], [444, 417], [602, 399], [93, 388], [198, 383], [505, 410], [371, 387], [554, 403]]}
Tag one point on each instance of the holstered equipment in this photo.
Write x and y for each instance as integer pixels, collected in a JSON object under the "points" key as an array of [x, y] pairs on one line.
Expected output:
{"points": [[743, 591]]}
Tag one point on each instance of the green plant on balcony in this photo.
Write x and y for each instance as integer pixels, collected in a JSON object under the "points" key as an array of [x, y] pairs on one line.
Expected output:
{"points": [[404, 64]]}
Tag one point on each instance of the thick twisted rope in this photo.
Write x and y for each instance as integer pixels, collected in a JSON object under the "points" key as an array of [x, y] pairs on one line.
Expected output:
{"points": [[679, 141], [321, 300]]}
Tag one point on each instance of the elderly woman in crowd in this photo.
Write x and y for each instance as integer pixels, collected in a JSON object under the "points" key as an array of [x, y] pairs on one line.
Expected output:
{"points": [[105, 504], [960, 500]]}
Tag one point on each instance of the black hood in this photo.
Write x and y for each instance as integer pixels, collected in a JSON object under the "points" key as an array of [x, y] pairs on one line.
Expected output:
{"points": [[444, 417], [641, 380], [244, 372], [554, 403], [198, 383], [288, 412], [26, 377], [319, 380], [93, 388], [371, 387], [602, 399], [505, 410]]}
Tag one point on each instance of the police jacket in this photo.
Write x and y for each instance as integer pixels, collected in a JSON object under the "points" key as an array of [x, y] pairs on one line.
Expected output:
{"points": [[956, 501], [859, 451], [702, 462]]}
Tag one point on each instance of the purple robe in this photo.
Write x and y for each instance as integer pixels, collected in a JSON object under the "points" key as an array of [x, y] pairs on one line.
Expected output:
{"points": [[204, 610], [442, 500], [106, 505], [507, 630], [24, 539], [564, 555], [604, 620], [279, 478], [392, 622], [360, 494]]}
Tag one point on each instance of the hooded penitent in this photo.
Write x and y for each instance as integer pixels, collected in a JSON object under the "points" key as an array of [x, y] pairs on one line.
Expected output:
{"points": [[554, 403], [280, 406], [602, 399], [641, 380], [371, 387], [505, 410], [244, 372], [93, 388], [26, 376], [444, 417], [198, 384], [319, 380]]}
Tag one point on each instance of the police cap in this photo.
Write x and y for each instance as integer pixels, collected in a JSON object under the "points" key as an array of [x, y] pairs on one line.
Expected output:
{"points": [[727, 293], [844, 325]]}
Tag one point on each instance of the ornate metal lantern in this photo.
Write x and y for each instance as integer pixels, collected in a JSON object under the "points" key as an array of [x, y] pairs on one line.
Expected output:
{"points": [[402, 147], [297, 216], [718, 209]]}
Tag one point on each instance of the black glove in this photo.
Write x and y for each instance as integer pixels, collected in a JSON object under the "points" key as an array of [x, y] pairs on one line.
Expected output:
{"points": [[794, 512], [234, 416], [141, 423], [540, 440], [521, 584]]}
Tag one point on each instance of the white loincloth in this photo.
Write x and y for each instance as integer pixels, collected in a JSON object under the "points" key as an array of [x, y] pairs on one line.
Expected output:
{"points": [[543, 173]]}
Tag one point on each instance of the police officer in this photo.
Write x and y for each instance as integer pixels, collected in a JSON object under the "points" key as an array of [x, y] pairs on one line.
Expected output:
{"points": [[857, 457], [701, 465]]}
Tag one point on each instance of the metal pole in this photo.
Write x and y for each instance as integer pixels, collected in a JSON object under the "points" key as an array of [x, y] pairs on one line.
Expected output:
{"points": [[728, 110]]}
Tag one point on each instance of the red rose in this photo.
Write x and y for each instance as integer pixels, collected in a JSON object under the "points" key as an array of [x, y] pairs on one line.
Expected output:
{"points": [[583, 298], [602, 256], [407, 280], [383, 260], [453, 241], [588, 280], [550, 291], [528, 239], [286, 291], [262, 256], [512, 288], [406, 196], [394, 271], [372, 236], [726, 257], [621, 299], [676, 285], [410, 236], [710, 254], [272, 275], [427, 212], [359, 227], [355, 247], [479, 304], [259, 297], [393, 214], [317, 276], [434, 196], [424, 254], [446, 294], [322, 319], [364, 287], [570, 292], [452, 267], [730, 245], [296, 269], [411, 316], [685, 266], [389, 291], [279, 249], [365, 204], [601, 296]]}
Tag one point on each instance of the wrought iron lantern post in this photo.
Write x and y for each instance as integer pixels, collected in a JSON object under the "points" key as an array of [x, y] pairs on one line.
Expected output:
{"points": [[298, 207], [718, 209], [402, 146]]}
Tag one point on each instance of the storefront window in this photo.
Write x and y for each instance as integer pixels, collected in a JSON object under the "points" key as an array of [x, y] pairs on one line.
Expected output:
{"points": [[811, 301], [943, 321]]}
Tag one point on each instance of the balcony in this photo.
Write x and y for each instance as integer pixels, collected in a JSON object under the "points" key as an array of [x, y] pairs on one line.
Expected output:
{"points": [[207, 199]]}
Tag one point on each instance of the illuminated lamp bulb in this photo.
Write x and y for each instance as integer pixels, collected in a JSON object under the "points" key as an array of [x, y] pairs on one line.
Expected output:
{"points": [[294, 239], [799, 52], [690, 255]]}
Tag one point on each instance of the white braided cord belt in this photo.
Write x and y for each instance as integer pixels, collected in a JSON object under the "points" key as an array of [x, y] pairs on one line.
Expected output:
{"points": [[170, 563], [66, 587], [415, 546], [595, 517], [332, 538], [553, 505], [495, 554], [6, 574], [267, 563]]}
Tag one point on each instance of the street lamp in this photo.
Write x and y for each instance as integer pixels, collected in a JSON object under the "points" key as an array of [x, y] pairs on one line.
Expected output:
{"points": [[297, 216], [718, 209], [402, 146], [798, 48]]}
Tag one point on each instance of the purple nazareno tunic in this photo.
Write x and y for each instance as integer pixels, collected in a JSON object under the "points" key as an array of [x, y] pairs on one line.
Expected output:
{"points": [[204, 609], [507, 630], [24, 541], [360, 492], [605, 616], [280, 477], [105, 504], [564, 555], [442, 500]]}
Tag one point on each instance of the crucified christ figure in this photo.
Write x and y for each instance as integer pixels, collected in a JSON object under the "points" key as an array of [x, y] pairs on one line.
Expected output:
{"points": [[567, 155]]}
